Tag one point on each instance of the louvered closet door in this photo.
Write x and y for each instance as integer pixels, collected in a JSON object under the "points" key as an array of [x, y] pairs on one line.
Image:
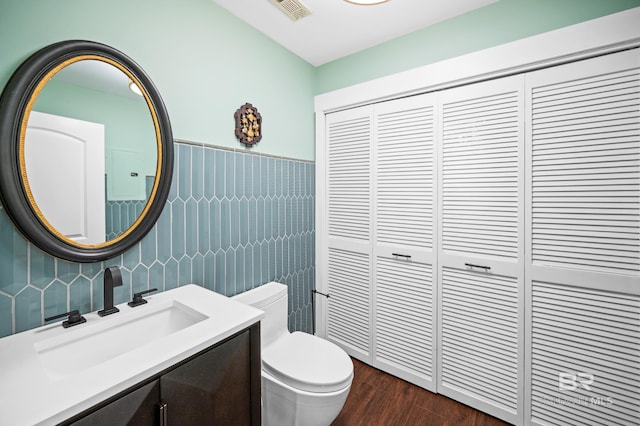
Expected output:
{"points": [[348, 252], [404, 314], [583, 271], [481, 251]]}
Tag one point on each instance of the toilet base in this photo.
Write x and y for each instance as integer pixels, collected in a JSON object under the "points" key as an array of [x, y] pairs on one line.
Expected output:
{"points": [[283, 405]]}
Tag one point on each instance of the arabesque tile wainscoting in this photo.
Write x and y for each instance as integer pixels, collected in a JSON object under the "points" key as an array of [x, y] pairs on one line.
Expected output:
{"points": [[120, 214], [233, 221]]}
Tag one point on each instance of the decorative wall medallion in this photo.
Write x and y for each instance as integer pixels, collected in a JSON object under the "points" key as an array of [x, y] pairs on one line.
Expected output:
{"points": [[248, 124]]}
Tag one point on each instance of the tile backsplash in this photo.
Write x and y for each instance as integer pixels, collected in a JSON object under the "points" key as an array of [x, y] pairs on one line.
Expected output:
{"points": [[119, 215], [233, 221]]}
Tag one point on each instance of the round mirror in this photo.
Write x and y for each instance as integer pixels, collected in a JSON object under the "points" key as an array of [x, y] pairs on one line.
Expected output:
{"points": [[86, 151]]}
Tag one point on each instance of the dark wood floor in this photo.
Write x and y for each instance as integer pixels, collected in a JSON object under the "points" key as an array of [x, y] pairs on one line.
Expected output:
{"points": [[377, 398]]}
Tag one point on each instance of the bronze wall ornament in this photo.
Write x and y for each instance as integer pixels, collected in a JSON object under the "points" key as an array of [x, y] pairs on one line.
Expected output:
{"points": [[248, 124]]}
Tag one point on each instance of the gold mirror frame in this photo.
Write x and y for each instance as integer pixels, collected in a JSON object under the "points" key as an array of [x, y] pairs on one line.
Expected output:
{"points": [[16, 104]]}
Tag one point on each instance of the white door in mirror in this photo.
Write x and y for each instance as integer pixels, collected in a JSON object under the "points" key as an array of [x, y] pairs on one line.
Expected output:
{"points": [[64, 161]]}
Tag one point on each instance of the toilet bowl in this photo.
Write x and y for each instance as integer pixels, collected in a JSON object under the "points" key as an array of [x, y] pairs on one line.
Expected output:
{"points": [[305, 379]]}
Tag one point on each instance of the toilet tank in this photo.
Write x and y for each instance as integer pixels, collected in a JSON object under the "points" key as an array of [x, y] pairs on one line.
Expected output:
{"points": [[272, 299]]}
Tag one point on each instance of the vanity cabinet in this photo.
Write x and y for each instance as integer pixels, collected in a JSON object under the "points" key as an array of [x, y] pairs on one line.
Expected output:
{"points": [[137, 407], [220, 385]]}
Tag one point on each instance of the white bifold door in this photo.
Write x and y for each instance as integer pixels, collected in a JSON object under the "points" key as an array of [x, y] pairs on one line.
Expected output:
{"points": [[481, 334], [583, 230], [380, 256], [349, 231], [404, 313], [483, 241]]}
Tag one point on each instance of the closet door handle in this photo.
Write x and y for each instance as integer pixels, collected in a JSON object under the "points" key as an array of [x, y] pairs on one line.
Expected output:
{"points": [[406, 256], [471, 265]]}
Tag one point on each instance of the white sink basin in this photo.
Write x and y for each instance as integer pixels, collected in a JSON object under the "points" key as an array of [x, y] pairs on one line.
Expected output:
{"points": [[86, 347], [51, 373]]}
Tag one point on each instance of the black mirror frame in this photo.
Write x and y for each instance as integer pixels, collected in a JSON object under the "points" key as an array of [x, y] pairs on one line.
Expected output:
{"points": [[14, 197]]}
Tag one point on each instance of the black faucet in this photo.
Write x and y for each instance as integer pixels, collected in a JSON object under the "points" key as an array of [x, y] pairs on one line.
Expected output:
{"points": [[74, 318], [112, 278], [138, 299]]}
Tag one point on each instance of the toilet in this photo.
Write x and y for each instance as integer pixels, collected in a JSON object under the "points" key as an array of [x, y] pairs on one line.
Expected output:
{"points": [[305, 379]]}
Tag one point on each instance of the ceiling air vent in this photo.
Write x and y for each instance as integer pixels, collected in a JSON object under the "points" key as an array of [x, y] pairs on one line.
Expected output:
{"points": [[294, 9]]}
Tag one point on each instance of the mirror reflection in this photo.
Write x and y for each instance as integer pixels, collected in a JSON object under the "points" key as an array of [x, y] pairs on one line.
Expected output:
{"points": [[90, 152]]}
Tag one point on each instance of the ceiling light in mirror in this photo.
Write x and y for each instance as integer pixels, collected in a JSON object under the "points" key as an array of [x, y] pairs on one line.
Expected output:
{"points": [[134, 88]]}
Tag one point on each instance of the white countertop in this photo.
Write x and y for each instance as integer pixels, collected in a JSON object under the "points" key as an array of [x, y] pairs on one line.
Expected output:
{"points": [[30, 395]]}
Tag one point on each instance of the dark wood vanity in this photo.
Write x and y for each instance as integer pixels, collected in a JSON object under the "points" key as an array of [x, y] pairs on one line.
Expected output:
{"points": [[220, 385]]}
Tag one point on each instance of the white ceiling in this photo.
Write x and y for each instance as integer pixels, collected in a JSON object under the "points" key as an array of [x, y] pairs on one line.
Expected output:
{"points": [[336, 28], [97, 75]]}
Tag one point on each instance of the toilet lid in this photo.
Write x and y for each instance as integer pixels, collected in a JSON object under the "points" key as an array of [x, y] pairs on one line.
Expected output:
{"points": [[308, 363]]}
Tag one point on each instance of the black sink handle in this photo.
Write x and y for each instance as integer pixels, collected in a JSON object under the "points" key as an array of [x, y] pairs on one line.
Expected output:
{"points": [[137, 297], [74, 318]]}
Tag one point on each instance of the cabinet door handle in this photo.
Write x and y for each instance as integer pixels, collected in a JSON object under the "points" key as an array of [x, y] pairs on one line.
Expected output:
{"points": [[406, 256], [163, 414], [471, 265]]}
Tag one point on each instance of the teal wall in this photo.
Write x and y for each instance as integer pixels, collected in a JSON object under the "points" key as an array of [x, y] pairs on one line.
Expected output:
{"points": [[205, 62], [227, 209], [127, 124], [233, 221], [498, 23]]}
